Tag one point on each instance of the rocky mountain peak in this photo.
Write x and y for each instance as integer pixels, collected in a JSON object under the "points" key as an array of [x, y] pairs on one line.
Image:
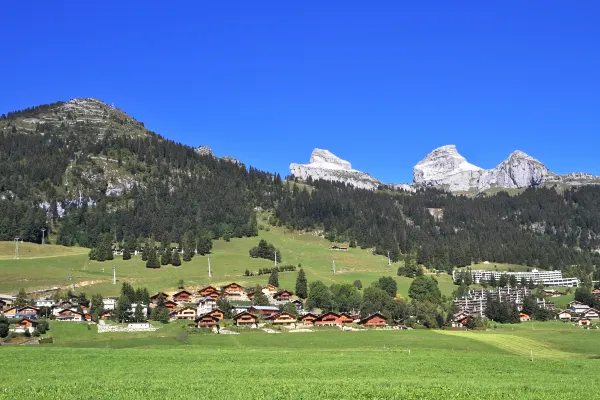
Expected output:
{"points": [[327, 166], [444, 166], [320, 156], [203, 150]]}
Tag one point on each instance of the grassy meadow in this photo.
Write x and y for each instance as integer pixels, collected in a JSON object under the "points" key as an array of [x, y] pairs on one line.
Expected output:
{"points": [[49, 266], [332, 364]]}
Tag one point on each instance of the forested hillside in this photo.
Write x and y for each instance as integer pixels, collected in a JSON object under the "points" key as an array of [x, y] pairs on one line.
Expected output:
{"points": [[82, 169]]}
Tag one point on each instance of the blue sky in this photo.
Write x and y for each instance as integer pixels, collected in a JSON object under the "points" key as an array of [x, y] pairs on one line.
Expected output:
{"points": [[379, 84]]}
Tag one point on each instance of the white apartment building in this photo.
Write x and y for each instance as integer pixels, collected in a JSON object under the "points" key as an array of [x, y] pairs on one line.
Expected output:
{"points": [[548, 278]]}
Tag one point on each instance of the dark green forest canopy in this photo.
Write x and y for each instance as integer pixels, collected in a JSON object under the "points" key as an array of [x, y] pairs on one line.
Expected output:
{"points": [[174, 190]]}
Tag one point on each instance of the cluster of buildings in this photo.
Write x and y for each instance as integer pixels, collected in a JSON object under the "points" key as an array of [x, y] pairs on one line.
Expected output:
{"points": [[199, 306], [579, 313], [547, 278]]}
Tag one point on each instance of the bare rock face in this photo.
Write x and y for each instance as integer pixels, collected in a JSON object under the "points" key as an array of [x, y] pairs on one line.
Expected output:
{"points": [[327, 166], [518, 171], [203, 150], [445, 167]]}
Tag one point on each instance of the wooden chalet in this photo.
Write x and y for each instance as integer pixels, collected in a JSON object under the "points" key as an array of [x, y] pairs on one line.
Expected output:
{"points": [[170, 305], [206, 321], [374, 320], [65, 305], [182, 296], [591, 313], [270, 288], [328, 319], [233, 291], [209, 291], [11, 312], [282, 319], [283, 295], [565, 315], [218, 314], [26, 323], [28, 311], [105, 315], [186, 313], [154, 299], [346, 318], [245, 319], [308, 319], [264, 311], [524, 317], [71, 315], [584, 322]]}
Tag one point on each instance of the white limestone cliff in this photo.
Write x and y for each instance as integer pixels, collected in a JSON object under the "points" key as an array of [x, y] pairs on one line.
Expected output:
{"points": [[327, 166]]}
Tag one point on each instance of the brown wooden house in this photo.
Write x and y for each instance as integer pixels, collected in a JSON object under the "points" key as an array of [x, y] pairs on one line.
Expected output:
{"points": [[264, 311], [209, 291], [271, 288], [328, 319], [154, 299], [283, 295], [308, 319], [105, 315], [26, 323], [187, 313], [376, 320], [170, 305], [245, 319], [232, 291], [206, 321], [346, 318], [71, 315], [182, 296], [28, 311], [282, 318], [218, 314]]}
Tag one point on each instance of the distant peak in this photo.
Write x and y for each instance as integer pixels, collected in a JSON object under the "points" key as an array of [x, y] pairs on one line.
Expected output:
{"points": [[520, 155], [322, 156]]}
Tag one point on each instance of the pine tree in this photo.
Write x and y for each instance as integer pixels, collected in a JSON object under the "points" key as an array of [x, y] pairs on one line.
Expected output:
{"points": [[165, 258], [274, 277], [301, 285], [126, 253], [503, 280], [152, 260], [175, 260], [138, 315]]}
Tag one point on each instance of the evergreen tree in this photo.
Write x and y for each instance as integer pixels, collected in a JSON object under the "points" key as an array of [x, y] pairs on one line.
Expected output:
{"points": [[138, 315], [126, 253], [188, 245], [21, 300], [493, 282], [152, 258], [165, 258], [512, 281], [259, 299], [175, 260], [301, 285], [503, 282], [128, 291], [122, 309], [358, 284], [274, 278]]}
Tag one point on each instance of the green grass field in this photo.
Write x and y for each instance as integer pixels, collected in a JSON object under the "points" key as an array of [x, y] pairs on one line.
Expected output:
{"points": [[49, 266], [328, 364]]}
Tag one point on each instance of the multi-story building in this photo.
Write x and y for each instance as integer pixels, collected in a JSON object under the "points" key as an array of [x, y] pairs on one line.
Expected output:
{"points": [[548, 278], [476, 301]]}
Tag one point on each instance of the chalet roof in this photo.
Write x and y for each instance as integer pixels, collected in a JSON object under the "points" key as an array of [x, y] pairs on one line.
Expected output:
{"points": [[27, 319], [71, 311], [329, 313], [187, 308], [265, 308], [29, 307], [239, 315], [371, 317], [233, 283], [275, 316], [158, 294], [207, 316], [309, 315], [279, 293], [181, 292], [171, 302], [208, 287]]}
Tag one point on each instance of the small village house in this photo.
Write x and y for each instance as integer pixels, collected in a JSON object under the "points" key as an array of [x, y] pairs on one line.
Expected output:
{"points": [[11, 312], [205, 305], [105, 315], [264, 311], [328, 319], [524, 317], [308, 319], [170, 305], [245, 319], [584, 322], [206, 321], [233, 291], [109, 303], [182, 296], [346, 318], [209, 291], [565, 315], [282, 319], [44, 303], [25, 324], [154, 299], [71, 315], [591, 313], [374, 320], [578, 307], [187, 313], [218, 314], [270, 289], [283, 296]]}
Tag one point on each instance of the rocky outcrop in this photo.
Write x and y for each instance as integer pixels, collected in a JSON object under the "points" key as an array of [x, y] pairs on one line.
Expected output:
{"points": [[327, 166], [446, 168], [203, 150]]}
